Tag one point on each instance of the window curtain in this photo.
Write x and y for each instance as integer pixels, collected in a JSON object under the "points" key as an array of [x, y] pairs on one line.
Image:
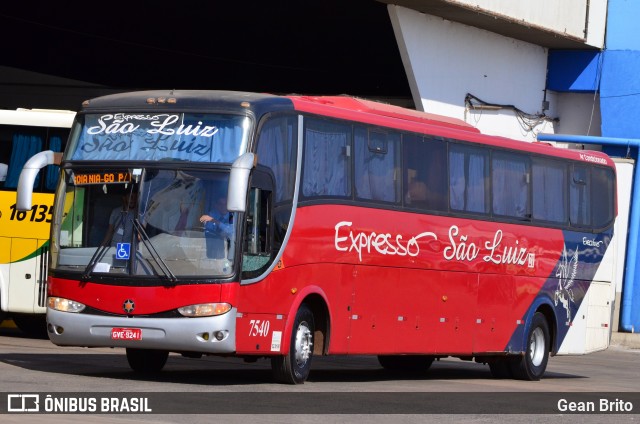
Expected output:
{"points": [[510, 187], [467, 178], [53, 171], [375, 172], [276, 151], [457, 179], [579, 197], [325, 162], [549, 182], [24, 146], [476, 191]]}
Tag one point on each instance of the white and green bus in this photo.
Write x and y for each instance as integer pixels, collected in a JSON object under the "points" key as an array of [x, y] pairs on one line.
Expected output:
{"points": [[24, 235]]}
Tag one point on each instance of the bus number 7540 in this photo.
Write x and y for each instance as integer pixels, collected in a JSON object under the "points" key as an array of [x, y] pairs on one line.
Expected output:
{"points": [[258, 328]]}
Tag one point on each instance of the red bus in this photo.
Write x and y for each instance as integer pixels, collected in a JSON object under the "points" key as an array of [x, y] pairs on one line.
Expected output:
{"points": [[255, 225]]}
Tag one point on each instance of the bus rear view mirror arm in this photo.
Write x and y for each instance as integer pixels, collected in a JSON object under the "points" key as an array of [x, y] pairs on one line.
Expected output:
{"points": [[28, 176]]}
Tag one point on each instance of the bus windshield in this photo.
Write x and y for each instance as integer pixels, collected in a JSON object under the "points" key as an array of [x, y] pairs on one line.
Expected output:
{"points": [[193, 137], [163, 223]]}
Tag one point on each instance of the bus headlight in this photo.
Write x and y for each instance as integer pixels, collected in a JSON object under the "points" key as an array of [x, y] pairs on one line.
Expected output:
{"points": [[205, 309], [65, 305]]}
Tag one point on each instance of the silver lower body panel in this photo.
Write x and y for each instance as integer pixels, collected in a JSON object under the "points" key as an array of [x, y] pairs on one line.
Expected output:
{"points": [[172, 334]]}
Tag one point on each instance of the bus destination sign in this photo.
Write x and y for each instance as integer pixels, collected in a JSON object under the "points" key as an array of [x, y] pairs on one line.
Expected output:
{"points": [[119, 177]]}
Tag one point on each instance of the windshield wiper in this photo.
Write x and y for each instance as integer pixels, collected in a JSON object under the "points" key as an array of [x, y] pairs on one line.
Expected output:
{"points": [[98, 254], [152, 251]]}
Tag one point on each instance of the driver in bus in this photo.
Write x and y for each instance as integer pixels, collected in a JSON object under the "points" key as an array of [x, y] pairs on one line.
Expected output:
{"points": [[217, 228], [121, 220]]}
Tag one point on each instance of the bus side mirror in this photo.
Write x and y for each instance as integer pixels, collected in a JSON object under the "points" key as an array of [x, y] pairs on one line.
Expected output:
{"points": [[239, 182], [28, 176]]}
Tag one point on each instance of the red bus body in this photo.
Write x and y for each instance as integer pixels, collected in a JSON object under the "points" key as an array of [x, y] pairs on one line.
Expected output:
{"points": [[386, 280]]}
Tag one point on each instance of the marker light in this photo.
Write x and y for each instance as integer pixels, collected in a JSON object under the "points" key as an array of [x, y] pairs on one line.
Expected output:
{"points": [[65, 305], [205, 309]]}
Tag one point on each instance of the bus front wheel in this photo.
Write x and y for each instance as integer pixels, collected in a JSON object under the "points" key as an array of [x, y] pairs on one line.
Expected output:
{"points": [[533, 363], [146, 361], [294, 367]]}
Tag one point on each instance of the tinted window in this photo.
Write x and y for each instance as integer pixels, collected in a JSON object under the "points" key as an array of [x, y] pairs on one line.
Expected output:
{"points": [[510, 185], [468, 177], [376, 165], [603, 191], [277, 151], [326, 158], [579, 195], [425, 173], [549, 190]]}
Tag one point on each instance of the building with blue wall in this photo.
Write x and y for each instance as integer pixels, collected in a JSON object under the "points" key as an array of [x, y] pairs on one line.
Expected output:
{"points": [[612, 75]]}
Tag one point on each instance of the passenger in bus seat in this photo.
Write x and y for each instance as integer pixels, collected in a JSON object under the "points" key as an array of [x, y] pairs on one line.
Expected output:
{"points": [[425, 195], [417, 193]]}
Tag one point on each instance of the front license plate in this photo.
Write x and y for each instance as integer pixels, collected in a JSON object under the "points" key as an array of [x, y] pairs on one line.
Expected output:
{"points": [[126, 334]]}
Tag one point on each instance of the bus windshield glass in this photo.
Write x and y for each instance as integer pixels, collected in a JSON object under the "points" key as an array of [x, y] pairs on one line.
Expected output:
{"points": [[169, 223], [193, 137]]}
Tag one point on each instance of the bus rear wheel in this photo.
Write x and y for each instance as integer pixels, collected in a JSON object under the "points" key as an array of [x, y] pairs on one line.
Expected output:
{"points": [[146, 361], [405, 363], [532, 365], [294, 367]]}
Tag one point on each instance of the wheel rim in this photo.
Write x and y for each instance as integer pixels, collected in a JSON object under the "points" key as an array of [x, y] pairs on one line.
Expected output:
{"points": [[304, 342], [537, 346]]}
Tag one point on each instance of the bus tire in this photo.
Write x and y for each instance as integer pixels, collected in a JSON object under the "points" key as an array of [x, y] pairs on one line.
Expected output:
{"points": [[146, 361], [406, 363], [294, 367], [532, 365], [33, 325]]}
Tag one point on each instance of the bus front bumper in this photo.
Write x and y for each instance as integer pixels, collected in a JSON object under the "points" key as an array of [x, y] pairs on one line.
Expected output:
{"points": [[215, 335]]}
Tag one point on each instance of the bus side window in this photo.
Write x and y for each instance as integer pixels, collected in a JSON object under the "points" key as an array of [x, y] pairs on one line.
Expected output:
{"points": [[376, 164], [327, 159], [603, 188], [549, 191], [469, 179], [579, 197], [511, 185], [426, 173]]}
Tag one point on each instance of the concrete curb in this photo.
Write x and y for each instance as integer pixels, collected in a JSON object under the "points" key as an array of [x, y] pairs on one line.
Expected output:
{"points": [[629, 340]]}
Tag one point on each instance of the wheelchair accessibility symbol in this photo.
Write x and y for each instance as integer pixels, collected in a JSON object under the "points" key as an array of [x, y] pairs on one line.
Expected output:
{"points": [[123, 250]]}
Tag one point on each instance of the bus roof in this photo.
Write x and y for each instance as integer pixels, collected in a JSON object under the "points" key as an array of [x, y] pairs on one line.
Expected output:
{"points": [[341, 107], [376, 113], [347, 103], [37, 117]]}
